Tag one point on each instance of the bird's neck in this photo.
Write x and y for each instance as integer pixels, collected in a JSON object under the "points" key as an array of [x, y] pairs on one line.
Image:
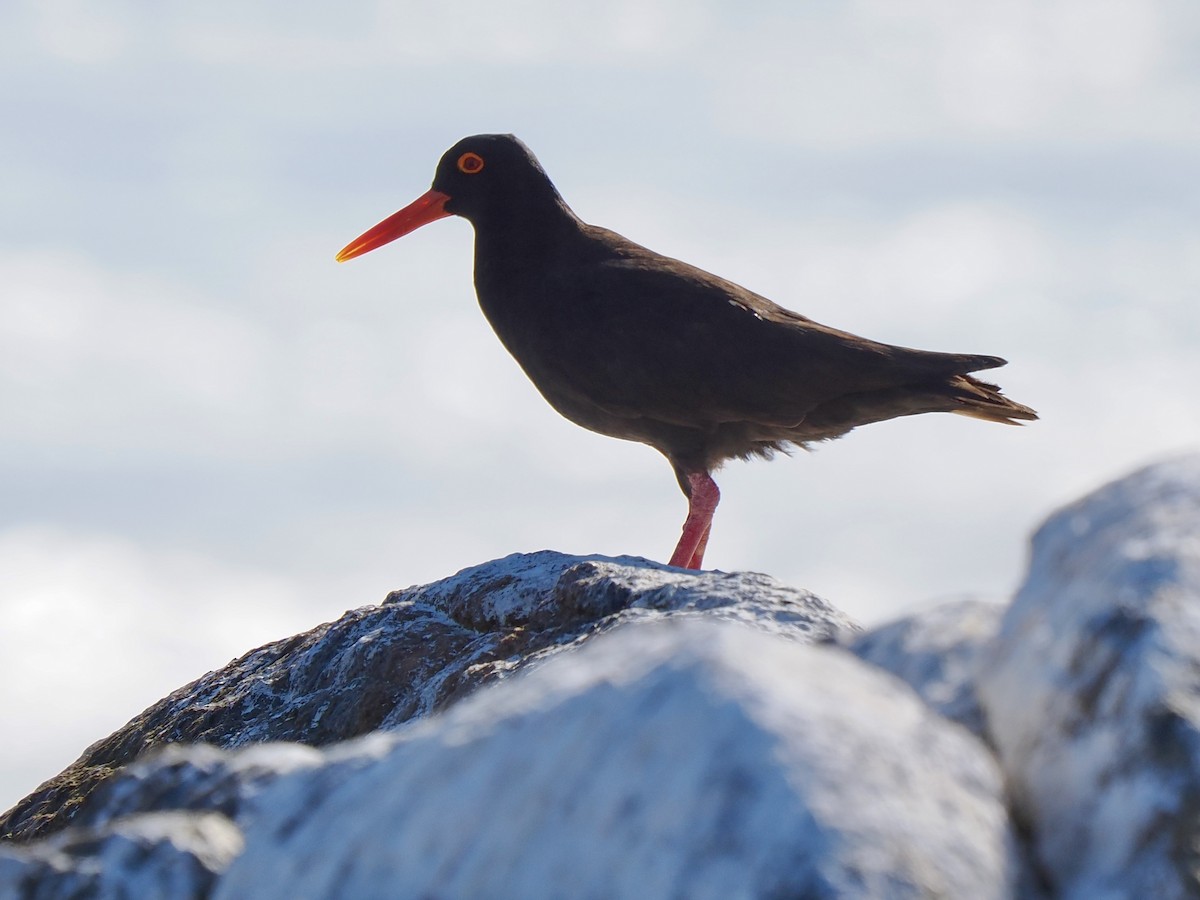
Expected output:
{"points": [[522, 242]]}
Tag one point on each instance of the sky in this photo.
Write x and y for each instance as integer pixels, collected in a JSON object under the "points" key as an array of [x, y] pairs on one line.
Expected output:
{"points": [[213, 436]]}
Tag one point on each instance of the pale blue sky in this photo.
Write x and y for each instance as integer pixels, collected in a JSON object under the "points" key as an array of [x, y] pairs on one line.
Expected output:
{"points": [[213, 436]]}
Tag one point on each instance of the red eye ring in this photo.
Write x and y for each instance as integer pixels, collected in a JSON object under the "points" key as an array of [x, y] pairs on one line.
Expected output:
{"points": [[470, 163]]}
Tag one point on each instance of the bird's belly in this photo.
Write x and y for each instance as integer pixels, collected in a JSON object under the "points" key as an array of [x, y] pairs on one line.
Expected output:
{"points": [[595, 417], [698, 445]]}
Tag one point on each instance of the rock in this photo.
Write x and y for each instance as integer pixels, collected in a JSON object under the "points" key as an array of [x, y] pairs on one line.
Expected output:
{"points": [[195, 777], [937, 651], [1092, 690], [672, 760], [666, 759], [158, 856], [421, 649]]}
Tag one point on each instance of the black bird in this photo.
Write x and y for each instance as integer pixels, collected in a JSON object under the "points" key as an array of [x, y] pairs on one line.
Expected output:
{"points": [[636, 345]]}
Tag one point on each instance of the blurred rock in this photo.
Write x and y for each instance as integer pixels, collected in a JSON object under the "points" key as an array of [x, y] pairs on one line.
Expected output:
{"points": [[1092, 690], [937, 651], [700, 760], [156, 856]]}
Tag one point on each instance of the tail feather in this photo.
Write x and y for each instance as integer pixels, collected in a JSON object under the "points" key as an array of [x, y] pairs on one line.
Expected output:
{"points": [[981, 400]]}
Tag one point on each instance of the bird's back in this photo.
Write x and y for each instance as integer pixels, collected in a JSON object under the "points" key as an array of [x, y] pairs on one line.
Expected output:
{"points": [[633, 344]]}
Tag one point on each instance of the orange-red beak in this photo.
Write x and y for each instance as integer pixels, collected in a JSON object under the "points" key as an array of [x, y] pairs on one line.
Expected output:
{"points": [[425, 209]]}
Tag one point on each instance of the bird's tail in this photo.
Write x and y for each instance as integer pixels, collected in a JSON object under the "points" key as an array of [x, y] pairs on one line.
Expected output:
{"points": [[981, 400]]}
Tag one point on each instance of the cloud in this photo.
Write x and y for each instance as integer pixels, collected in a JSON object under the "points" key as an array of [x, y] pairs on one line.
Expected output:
{"points": [[76, 32], [874, 72], [91, 358], [96, 628]]}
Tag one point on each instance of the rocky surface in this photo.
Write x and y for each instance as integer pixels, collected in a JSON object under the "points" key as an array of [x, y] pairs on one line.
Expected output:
{"points": [[422, 648], [677, 734]]}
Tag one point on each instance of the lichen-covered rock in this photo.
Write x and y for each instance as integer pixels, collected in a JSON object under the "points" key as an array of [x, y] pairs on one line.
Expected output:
{"points": [[422, 648], [1092, 690]]}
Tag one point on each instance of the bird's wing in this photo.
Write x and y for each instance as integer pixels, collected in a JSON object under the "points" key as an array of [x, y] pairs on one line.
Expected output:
{"points": [[642, 335]]}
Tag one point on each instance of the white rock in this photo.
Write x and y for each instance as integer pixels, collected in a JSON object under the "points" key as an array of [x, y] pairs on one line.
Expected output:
{"points": [[154, 856], [1092, 690], [938, 652], [671, 759]]}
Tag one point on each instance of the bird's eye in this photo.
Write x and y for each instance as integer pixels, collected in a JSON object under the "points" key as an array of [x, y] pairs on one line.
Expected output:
{"points": [[470, 163]]}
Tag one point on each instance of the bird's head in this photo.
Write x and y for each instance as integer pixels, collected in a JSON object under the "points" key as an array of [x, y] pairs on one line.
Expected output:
{"points": [[483, 177]]}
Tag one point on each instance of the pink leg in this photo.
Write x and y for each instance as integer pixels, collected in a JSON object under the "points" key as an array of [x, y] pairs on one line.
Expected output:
{"points": [[697, 560], [703, 498]]}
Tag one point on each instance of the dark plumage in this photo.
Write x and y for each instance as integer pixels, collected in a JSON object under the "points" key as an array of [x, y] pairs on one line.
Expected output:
{"points": [[636, 345]]}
